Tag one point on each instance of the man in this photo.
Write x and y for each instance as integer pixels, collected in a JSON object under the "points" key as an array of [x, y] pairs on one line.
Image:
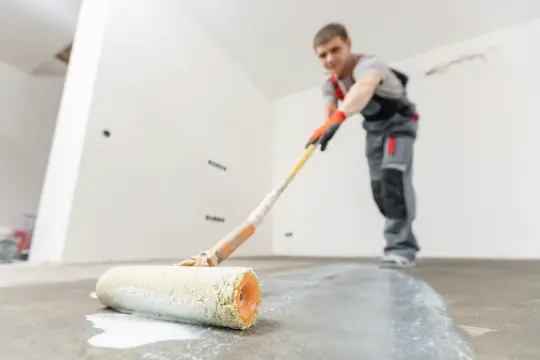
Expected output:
{"points": [[364, 84]]}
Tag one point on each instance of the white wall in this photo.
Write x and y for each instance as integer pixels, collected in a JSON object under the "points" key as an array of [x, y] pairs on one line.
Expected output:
{"points": [[171, 99], [28, 109], [476, 173]]}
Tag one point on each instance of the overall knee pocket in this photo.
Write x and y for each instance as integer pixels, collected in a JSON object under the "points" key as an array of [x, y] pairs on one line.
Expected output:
{"points": [[376, 189], [393, 194]]}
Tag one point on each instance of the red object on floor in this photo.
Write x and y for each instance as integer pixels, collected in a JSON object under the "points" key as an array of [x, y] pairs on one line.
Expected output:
{"points": [[23, 237]]}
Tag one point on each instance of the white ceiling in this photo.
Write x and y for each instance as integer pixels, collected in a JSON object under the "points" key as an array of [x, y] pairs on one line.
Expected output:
{"points": [[33, 31], [272, 39]]}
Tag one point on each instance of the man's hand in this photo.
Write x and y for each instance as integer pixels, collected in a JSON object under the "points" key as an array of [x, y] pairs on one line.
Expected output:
{"points": [[328, 135], [326, 132], [315, 137]]}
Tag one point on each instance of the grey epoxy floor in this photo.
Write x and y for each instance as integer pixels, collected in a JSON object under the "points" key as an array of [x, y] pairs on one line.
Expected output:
{"points": [[311, 309]]}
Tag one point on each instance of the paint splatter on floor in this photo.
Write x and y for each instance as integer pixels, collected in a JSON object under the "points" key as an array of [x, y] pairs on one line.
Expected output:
{"points": [[122, 331], [476, 331]]}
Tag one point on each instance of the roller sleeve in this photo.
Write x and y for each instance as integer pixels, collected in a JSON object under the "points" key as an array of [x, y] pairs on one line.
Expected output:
{"points": [[220, 296]]}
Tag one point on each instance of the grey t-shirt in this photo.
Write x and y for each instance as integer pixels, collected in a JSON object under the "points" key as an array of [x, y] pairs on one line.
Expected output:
{"points": [[390, 86]]}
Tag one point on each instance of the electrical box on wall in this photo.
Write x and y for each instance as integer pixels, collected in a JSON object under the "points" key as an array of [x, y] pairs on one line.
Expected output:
{"points": [[214, 218], [217, 165]]}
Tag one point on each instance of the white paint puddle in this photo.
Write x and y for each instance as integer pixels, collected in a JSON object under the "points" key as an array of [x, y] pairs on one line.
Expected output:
{"points": [[123, 331], [476, 331]]}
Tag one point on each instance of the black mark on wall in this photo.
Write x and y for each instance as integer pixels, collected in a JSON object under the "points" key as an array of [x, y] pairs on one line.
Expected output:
{"points": [[214, 218], [288, 234], [442, 68], [106, 133], [217, 165]]}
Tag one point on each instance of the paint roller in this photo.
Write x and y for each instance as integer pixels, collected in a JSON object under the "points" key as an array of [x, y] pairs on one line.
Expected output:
{"points": [[196, 290]]}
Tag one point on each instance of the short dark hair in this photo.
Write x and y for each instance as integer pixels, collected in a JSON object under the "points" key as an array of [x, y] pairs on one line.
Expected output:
{"points": [[328, 32]]}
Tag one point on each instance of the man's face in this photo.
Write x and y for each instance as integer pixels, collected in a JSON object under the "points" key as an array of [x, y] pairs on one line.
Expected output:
{"points": [[335, 55]]}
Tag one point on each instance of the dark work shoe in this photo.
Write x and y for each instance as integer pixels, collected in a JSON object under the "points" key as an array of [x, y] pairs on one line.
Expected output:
{"points": [[395, 261]]}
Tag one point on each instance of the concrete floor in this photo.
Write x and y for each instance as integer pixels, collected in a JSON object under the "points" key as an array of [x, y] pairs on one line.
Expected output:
{"points": [[312, 309]]}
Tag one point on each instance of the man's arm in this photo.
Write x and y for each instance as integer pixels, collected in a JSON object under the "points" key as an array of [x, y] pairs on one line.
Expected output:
{"points": [[360, 93], [329, 98], [371, 76], [371, 73], [330, 102]]}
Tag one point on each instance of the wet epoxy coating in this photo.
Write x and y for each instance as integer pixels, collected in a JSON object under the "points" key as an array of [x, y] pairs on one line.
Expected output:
{"points": [[311, 310]]}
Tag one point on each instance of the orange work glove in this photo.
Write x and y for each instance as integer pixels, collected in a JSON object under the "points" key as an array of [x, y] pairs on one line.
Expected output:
{"points": [[326, 132]]}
